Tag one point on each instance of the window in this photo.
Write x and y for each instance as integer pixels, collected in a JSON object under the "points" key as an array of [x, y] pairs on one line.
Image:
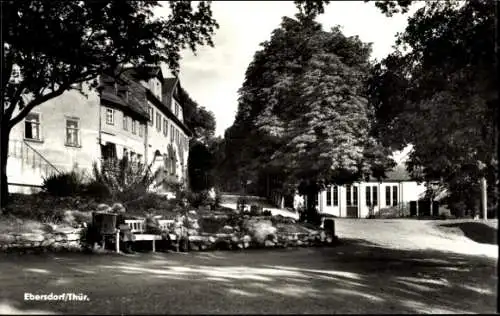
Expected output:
{"points": [[348, 196], [172, 133], [141, 129], [110, 116], [158, 121], [125, 122], [375, 195], [335, 196], [355, 195], [151, 115], [368, 196], [72, 132], [395, 195], [165, 127], [32, 126], [177, 137], [125, 153], [388, 196], [329, 196], [134, 127]]}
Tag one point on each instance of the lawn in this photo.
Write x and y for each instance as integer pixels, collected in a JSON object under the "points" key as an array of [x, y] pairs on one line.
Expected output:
{"points": [[358, 276]]}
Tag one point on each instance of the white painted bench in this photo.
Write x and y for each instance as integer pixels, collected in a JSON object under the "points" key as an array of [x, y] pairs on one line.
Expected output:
{"points": [[138, 228]]}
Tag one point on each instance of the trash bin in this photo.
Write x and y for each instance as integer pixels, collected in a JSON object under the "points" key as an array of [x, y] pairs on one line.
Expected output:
{"points": [[329, 226], [105, 223], [105, 226]]}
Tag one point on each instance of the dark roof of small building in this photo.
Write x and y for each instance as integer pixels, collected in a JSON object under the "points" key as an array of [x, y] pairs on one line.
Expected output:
{"points": [[397, 174]]}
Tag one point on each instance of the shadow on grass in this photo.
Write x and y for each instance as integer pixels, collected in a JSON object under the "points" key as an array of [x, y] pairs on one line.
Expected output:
{"points": [[353, 277], [476, 231]]}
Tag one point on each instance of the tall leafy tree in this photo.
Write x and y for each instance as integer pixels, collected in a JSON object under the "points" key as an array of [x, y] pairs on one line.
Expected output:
{"points": [[58, 43], [303, 114], [439, 92]]}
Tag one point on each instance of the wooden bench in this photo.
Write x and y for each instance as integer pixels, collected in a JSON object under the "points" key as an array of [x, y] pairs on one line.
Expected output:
{"points": [[138, 228]]}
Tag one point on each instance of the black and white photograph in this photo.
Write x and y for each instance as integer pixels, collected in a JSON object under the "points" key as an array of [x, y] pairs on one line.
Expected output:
{"points": [[249, 157]]}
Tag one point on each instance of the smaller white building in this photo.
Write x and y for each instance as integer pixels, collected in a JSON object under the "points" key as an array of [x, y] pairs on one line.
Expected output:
{"points": [[365, 198]]}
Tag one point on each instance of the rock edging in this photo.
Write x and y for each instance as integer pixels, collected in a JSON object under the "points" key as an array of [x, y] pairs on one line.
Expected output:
{"points": [[64, 239]]}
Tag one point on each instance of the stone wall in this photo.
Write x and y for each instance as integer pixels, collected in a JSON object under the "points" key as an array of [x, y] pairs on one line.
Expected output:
{"points": [[59, 239]]}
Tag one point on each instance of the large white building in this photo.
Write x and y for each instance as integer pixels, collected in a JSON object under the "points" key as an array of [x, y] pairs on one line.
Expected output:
{"points": [[138, 115]]}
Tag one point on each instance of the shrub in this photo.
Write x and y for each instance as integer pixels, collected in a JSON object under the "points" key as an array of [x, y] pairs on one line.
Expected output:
{"points": [[389, 212], [267, 213], [97, 190], [260, 230], [125, 181], [63, 184], [254, 208], [197, 199]]}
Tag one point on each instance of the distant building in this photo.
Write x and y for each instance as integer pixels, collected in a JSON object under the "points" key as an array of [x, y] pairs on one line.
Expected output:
{"points": [[364, 198], [138, 115]]}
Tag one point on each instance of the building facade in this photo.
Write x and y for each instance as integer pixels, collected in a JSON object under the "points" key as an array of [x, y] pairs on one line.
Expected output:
{"points": [[362, 199], [137, 115]]}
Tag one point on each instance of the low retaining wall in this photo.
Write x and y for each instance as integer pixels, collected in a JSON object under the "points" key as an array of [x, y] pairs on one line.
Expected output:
{"points": [[67, 239]]}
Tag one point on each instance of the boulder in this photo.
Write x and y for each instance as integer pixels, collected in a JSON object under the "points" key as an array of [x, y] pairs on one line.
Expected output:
{"points": [[47, 242], [60, 237], [31, 237], [118, 208], [103, 208], [73, 236], [7, 238], [269, 243]]}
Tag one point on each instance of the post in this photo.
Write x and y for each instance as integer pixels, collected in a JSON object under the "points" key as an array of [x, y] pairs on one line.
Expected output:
{"points": [[117, 241], [484, 198]]}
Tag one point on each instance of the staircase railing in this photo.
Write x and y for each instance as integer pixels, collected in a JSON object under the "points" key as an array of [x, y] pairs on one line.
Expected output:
{"points": [[28, 154]]}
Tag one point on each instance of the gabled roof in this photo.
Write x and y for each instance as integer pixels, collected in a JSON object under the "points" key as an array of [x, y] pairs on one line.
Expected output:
{"points": [[167, 92], [144, 72], [136, 93], [397, 174]]}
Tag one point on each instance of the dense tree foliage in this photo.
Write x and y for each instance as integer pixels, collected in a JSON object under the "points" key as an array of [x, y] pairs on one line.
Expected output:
{"points": [[202, 123], [439, 91], [303, 115]]}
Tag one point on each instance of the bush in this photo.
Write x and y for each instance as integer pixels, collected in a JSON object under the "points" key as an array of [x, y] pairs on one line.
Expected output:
{"points": [[197, 199], [124, 181], [151, 201], [389, 212], [64, 184], [97, 190], [267, 213], [254, 208]]}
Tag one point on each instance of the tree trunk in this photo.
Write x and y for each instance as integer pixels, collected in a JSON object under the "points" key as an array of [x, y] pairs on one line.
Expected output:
{"points": [[484, 198], [4, 154]]}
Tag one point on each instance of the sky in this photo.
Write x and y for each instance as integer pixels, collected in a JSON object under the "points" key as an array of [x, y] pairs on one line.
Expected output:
{"points": [[213, 76]]}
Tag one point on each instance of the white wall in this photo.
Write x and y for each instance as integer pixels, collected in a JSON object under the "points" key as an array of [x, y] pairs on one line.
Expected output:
{"points": [[406, 192]]}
